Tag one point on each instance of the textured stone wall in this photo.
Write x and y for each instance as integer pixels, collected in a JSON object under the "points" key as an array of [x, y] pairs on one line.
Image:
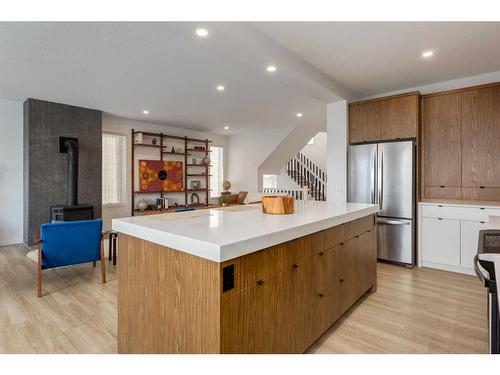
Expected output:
{"points": [[45, 167]]}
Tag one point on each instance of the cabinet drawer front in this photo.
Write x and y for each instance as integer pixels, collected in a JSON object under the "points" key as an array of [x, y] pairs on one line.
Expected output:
{"points": [[447, 192], [359, 226], [481, 194], [441, 241], [457, 213]]}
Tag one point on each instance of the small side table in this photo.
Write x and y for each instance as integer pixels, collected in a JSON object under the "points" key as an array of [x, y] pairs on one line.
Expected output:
{"points": [[112, 246]]}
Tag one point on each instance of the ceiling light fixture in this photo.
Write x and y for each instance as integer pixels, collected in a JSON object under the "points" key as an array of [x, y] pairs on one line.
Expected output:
{"points": [[202, 33], [299, 114], [226, 127], [427, 54], [271, 68], [145, 112], [220, 88]]}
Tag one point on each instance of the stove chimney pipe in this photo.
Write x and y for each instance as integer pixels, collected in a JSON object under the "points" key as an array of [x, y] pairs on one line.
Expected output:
{"points": [[71, 147]]}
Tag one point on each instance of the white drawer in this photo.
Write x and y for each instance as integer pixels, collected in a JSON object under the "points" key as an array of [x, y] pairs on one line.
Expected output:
{"points": [[456, 213]]}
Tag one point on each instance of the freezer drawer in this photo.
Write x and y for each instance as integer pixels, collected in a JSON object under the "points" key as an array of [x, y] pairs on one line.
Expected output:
{"points": [[395, 240]]}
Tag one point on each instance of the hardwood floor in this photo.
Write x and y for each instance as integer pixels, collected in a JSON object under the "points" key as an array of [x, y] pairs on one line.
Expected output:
{"points": [[413, 311]]}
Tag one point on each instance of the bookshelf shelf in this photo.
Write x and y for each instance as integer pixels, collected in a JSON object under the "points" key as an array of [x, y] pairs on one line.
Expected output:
{"points": [[163, 152]]}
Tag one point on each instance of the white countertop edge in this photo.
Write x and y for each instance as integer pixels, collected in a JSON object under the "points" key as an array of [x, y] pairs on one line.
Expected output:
{"points": [[446, 204], [222, 253]]}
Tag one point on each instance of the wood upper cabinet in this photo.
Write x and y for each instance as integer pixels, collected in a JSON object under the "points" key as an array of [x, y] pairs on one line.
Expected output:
{"points": [[399, 117], [364, 122], [384, 119], [481, 138], [441, 138]]}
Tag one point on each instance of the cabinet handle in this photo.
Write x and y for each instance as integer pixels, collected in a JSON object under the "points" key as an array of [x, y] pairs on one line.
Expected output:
{"points": [[321, 253], [321, 295], [294, 266], [341, 280], [442, 186], [439, 205], [260, 282], [341, 244], [482, 222], [356, 236], [440, 218], [481, 208], [481, 187]]}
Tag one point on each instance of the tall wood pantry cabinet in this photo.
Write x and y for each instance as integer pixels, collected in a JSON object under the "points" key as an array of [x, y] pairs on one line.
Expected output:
{"points": [[461, 144]]}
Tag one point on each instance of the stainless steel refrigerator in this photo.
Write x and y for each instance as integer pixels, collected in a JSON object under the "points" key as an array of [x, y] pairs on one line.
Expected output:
{"points": [[384, 174]]}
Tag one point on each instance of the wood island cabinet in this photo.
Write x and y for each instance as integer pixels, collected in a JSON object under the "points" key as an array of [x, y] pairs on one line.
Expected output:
{"points": [[277, 300], [388, 118], [301, 301]]}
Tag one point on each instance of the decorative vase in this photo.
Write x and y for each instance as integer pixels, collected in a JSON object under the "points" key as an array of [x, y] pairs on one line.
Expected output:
{"points": [[138, 138], [142, 205]]}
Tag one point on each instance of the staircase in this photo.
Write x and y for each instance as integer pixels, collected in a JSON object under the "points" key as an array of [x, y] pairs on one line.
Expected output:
{"points": [[307, 175]]}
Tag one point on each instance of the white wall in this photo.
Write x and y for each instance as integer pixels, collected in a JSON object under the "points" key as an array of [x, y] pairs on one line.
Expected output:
{"points": [[317, 151], [11, 172], [123, 126], [444, 85], [336, 124], [246, 152]]}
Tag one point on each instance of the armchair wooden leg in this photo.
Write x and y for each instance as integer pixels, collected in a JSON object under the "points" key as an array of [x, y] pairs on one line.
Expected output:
{"points": [[39, 270], [103, 263]]}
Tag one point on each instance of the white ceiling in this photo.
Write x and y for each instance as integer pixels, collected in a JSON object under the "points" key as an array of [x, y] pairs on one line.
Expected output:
{"points": [[375, 57], [123, 68]]}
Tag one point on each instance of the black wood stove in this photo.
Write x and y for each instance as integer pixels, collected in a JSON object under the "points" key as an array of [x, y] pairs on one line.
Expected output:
{"points": [[71, 211]]}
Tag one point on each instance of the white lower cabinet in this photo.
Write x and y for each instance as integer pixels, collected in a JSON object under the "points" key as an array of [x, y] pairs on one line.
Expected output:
{"points": [[469, 235], [441, 241], [448, 235]]}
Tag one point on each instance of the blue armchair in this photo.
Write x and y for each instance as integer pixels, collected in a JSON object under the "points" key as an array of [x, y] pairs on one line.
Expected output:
{"points": [[69, 243]]}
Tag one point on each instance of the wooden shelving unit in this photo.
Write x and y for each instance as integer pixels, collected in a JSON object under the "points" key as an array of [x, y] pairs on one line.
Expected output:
{"points": [[189, 150]]}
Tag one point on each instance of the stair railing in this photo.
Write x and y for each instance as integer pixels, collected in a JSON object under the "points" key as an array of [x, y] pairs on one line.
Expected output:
{"points": [[307, 174]]}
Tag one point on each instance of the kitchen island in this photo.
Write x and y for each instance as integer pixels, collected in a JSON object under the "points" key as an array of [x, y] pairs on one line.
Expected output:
{"points": [[235, 280]]}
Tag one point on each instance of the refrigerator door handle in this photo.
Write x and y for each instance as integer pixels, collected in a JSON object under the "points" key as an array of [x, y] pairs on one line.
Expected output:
{"points": [[374, 200], [393, 222], [380, 178]]}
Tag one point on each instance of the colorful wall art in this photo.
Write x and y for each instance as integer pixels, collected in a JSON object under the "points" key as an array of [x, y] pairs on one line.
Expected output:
{"points": [[157, 175]]}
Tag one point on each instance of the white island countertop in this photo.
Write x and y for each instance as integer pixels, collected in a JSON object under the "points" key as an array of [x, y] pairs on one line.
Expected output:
{"points": [[225, 233]]}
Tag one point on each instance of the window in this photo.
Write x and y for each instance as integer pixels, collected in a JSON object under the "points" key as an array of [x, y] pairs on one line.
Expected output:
{"points": [[113, 169], [269, 181], [217, 170]]}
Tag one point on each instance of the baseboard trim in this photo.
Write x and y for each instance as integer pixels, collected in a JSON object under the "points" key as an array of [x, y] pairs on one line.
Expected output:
{"points": [[446, 267], [10, 242]]}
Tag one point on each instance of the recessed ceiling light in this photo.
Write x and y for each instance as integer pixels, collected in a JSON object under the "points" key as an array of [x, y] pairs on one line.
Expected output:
{"points": [[427, 54], [202, 33], [226, 127], [299, 114], [271, 68], [220, 88], [145, 112]]}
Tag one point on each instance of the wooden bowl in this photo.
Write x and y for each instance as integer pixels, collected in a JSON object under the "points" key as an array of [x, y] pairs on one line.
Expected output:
{"points": [[279, 205]]}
